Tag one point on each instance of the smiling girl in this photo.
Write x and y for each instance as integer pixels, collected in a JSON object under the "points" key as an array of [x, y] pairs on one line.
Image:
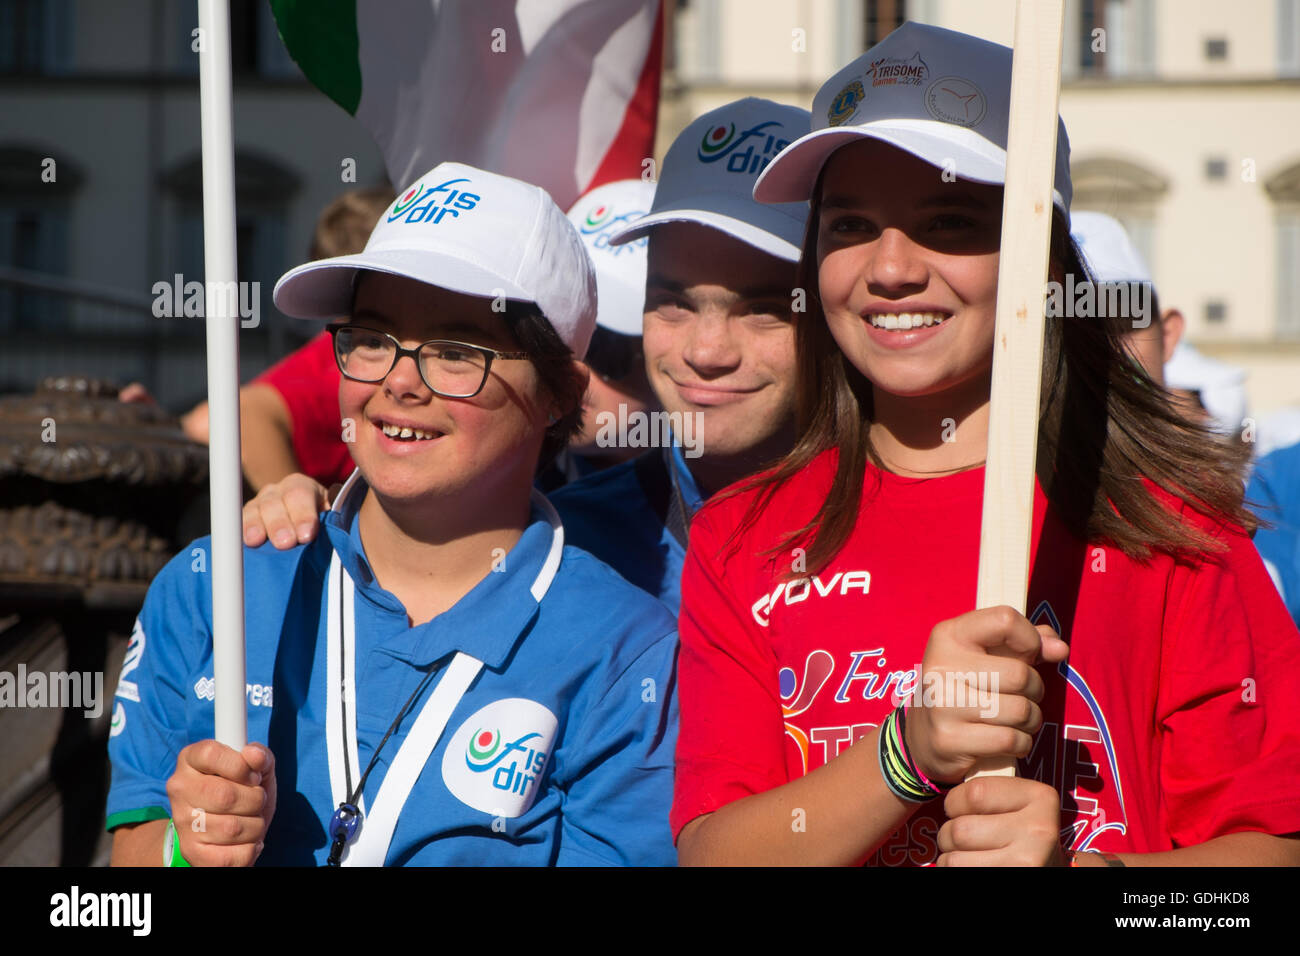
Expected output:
{"points": [[436, 679], [836, 685]]}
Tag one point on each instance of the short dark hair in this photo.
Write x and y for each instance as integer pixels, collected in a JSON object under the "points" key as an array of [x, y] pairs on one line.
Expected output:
{"points": [[559, 376], [613, 355]]}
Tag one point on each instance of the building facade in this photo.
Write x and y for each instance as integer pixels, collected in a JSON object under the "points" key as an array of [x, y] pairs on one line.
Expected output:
{"points": [[101, 186], [1184, 122]]}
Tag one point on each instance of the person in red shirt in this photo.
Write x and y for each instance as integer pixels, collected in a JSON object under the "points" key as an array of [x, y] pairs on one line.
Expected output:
{"points": [[835, 687], [289, 415], [297, 403]]}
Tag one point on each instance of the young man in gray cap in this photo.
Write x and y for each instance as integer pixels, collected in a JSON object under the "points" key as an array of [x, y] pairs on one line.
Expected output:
{"points": [[718, 337]]}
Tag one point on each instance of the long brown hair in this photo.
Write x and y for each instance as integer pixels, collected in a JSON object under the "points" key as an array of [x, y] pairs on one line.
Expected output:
{"points": [[1104, 425]]}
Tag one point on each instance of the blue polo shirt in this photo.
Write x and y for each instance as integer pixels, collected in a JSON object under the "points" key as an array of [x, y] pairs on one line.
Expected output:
{"points": [[1274, 495], [596, 654], [634, 517]]}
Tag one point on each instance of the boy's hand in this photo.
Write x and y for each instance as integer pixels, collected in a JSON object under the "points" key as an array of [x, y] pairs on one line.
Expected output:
{"points": [[1001, 821], [234, 794], [287, 512]]}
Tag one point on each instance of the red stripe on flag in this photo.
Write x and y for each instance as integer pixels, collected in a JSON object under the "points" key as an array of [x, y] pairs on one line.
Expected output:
{"points": [[635, 141]]}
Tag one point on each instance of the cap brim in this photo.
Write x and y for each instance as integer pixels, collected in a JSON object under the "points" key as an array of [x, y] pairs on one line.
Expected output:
{"points": [[737, 217], [323, 289], [790, 176]]}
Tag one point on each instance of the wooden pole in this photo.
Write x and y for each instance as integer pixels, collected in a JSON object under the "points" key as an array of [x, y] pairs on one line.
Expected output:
{"points": [[1007, 521]]}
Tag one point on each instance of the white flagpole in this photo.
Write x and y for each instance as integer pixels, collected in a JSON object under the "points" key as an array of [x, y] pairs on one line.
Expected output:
{"points": [[225, 477], [1007, 521]]}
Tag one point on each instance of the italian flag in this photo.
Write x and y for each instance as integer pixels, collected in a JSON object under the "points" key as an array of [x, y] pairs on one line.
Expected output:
{"points": [[560, 93]]}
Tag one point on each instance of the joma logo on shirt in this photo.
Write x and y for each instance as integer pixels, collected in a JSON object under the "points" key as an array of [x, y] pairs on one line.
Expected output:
{"points": [[259, 695], [802, 588]]}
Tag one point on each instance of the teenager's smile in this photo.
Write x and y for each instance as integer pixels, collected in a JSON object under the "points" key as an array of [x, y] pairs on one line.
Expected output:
{"points": [[405, 429], [907, 272], [892, 328], [398, 436]]}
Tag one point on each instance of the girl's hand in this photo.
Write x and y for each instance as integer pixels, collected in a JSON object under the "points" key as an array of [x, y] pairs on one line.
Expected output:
{"points": [[1001, 821], [287, 512], [978, 691], [222, 802]]}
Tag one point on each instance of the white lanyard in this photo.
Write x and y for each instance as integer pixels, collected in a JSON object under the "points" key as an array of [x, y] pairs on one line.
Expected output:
{"points": [[370, 848]]}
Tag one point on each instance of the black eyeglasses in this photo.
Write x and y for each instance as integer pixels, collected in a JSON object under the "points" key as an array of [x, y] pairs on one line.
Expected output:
{"points": [[450, 369]]}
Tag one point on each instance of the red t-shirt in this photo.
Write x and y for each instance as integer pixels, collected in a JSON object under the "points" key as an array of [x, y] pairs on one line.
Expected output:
{"points": [[1176, 720], [308, 381]]}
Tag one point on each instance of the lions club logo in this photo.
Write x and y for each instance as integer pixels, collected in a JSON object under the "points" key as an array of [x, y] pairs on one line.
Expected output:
{"points": [[845, 103], [496, 759]]}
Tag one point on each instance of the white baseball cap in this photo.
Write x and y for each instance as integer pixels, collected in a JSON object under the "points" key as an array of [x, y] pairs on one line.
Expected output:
{"points": [[1107, 248], [708, 177], [468, 231], [940, 95], [620, 269]]}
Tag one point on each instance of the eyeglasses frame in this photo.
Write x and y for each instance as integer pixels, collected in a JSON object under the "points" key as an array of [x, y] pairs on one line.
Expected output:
{"points": [[488, 356]]}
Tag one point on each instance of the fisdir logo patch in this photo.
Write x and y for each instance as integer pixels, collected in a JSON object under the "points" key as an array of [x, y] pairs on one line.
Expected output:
{"points": [[487, 752], [764, 141], [496, 758], [603, 221], [422, 204]]}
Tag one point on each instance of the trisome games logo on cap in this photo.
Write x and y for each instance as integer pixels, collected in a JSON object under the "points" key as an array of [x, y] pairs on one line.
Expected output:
{"points": [[420, 204], [899, 71], [496, 758], [761, 142]]}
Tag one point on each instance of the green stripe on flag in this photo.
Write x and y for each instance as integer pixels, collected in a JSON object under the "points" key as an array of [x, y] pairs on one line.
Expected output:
{"points": [[321, 36]]}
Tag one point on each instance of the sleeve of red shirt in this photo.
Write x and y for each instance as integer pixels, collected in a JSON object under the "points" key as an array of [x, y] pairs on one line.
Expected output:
{"points": [[308, 382], [731, 738], [1229, 701]]}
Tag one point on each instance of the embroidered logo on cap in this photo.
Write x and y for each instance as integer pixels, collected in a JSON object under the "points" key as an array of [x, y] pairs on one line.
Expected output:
{"points": [[597, 218], [954, 99], [845, 103], [403, 204], [602, 222], [715, 140], [421, 205], [898, 71], [721, 142], [495, 759]]}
